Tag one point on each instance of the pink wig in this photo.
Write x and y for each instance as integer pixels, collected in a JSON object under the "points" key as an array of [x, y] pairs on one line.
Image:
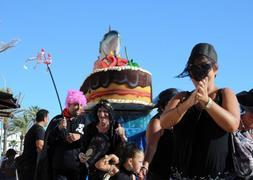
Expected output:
{"points": [[75, 96]]}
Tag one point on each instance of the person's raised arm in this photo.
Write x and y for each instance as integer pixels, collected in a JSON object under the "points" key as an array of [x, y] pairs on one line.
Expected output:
{"points": [[176, 108], [227, 116]]}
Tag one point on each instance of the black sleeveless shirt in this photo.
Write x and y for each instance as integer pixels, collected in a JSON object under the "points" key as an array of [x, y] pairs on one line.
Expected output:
{"points": [[201, 147]]}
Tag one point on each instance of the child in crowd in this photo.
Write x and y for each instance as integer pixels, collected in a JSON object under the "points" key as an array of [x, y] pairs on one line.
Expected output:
{"points": [[130, 163]]}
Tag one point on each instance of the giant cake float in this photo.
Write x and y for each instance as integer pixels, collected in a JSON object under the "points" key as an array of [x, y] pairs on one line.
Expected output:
{"points": [[119, 80]]}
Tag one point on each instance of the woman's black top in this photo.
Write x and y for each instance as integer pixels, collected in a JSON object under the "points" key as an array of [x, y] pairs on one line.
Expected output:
{"points": [[161, 161], [201, 147], [92, 136]]}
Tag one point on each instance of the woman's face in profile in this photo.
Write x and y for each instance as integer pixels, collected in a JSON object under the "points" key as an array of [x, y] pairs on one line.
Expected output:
{"points": [[103, 116]]}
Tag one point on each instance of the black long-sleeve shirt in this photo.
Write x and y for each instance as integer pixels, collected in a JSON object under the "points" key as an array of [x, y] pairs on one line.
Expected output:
{"points": [[65, 154]]}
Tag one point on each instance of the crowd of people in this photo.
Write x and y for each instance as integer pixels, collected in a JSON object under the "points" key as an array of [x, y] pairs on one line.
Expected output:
{"points": [[188, 138]]}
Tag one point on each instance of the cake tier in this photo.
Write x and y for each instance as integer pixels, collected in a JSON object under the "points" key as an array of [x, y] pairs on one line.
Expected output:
{"points": [[119, 85]]}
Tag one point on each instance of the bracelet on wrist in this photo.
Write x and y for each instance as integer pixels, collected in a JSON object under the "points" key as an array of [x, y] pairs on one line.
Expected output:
{"points": [[209, 103]]}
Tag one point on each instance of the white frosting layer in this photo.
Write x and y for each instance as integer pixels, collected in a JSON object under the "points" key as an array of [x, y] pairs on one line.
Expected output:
{"points": [[128, 101], [120, 68]]}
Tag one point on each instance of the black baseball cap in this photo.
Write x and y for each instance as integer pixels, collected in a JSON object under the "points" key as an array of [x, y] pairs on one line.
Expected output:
{"points": [[200, 49], [203, 49]]}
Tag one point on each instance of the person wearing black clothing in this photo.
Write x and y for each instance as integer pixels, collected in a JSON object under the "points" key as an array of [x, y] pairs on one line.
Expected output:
{"points": [[202, 121], [102, 136], [7, 168], [158, 153], [33, 145], [64, 138]]}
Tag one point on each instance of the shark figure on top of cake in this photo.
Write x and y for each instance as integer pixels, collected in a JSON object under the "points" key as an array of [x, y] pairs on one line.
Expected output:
{"points": [[109, 53], [110, 44]]}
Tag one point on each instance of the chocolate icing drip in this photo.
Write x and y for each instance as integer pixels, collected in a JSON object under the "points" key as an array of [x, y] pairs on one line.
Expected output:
{"points": [[132, 78], [95, 82], [119, 77], [104, 80]]}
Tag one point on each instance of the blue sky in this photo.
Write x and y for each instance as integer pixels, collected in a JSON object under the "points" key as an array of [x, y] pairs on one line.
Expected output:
{"points": [[159, 36]]}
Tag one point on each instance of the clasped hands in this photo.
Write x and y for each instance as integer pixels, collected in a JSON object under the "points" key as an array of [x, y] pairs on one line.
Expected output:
{"points": [[108, 164], [200, 94]]}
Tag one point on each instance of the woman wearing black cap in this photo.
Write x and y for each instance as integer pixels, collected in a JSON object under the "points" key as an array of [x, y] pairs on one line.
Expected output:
{"points": [[103, 136], [202, 120], [157, 161]]}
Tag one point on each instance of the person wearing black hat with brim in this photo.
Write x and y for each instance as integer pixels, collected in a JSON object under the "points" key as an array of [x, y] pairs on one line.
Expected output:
{"points": [[202, 121], [158, 151]]}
